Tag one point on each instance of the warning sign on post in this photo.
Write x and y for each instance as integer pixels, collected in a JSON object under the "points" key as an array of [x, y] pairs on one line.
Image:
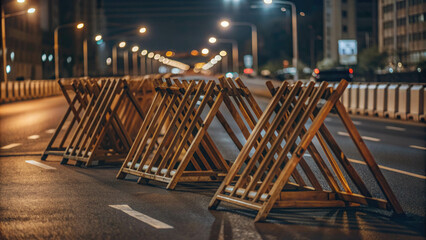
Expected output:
{"points": [[348, 52]]}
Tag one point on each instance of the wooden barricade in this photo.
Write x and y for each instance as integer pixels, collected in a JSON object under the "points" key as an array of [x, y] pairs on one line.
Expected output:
{"points": [[272, 172], [173, 144], [103, 132], [77, 94]]}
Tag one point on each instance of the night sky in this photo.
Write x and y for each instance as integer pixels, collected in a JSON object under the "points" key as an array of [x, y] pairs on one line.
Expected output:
{"points": [[183, 25]]}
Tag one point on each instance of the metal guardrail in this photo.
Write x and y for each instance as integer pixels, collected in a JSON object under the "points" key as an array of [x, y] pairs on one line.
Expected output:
{"points": [[29, 89], [392, 100]]}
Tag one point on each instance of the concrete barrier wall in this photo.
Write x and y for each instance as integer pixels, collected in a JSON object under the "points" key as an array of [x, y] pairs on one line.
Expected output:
{"points": [[392, 100], [29, 89]]}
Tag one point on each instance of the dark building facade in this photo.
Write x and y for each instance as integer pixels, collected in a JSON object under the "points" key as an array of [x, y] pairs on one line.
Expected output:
{"points": [[402, 31], [23, 40]]}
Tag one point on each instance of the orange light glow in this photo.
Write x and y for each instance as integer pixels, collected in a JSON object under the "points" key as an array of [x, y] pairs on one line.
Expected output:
{"points": [[194, 53], [351, 71], [316, 71]]}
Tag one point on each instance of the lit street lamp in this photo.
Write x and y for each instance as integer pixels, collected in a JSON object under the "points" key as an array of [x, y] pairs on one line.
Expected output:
{"points": [[234, 50], [114, 56], [135, 50], [224, 56], [294, 28], [126, 57], [143, 62], [205, 51], [3, 38], [56, 47], [142, 30], [150, 56], [254, 49], [98, 37]]}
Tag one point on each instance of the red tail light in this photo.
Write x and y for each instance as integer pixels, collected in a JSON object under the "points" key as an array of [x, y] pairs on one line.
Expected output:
{"points": [[351, 71]]}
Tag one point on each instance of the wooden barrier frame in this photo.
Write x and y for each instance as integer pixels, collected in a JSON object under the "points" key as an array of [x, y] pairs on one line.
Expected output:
{"points": [[166, 158], [261, 182], [76, 106], [102, 134], [171, 105]]}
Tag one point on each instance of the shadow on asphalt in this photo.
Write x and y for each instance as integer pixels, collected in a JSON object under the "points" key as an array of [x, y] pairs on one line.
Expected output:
{"points": [[346, 223], [343, 223]]}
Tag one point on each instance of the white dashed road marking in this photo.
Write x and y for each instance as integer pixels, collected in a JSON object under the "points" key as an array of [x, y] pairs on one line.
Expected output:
{"points": [[417, 147], [50, 130], [38, 164], [142, 217], [33, 137], [395, 128], [391, 169], [11, 145], [357, 123], [363, 137]]}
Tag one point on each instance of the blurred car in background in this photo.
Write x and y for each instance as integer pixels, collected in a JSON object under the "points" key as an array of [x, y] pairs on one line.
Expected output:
{"points": [[333, 75]]}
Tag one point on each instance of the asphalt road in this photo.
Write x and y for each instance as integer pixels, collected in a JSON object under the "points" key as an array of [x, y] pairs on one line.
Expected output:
{"points": [[68, 202]]}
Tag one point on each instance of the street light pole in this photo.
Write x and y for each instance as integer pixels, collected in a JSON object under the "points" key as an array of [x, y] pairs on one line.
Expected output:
{"points": [[225, 64], [56, 50], [235, 55], [254, 48], [234, 50], [135, 63], [294, 30], [56, 45], [295, 47], [126, 62], [114, 60], [3, 47], [85, 57], [3, 40], [143, 65]]}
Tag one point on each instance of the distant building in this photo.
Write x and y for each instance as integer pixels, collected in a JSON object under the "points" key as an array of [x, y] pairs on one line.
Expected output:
{"points": [[49, 20], [339, 23], [349, 20], [402, 31], [23, 41]]}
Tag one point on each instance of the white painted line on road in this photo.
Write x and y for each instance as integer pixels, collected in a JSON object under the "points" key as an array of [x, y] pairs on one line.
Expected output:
{"points": [[33, 137], [370, 139], [357, 123], [11, 145], [142, 217], [396, 128], [38, 164], [52, 130], [289, 155], [417, 147], [363, 137], [391, 169], [343, 134]]}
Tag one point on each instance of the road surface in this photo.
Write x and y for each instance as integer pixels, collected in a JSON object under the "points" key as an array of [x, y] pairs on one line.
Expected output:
{"points": [[50, 200]]}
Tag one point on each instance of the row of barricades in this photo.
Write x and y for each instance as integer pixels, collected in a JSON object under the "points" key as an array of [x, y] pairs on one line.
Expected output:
{"points": [[29, 89], [158, 129], [392, 100]]}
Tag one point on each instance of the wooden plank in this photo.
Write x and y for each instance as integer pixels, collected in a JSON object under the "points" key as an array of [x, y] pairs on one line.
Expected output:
{"points": [[305, 142], [309, 204], [368, 157]]}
